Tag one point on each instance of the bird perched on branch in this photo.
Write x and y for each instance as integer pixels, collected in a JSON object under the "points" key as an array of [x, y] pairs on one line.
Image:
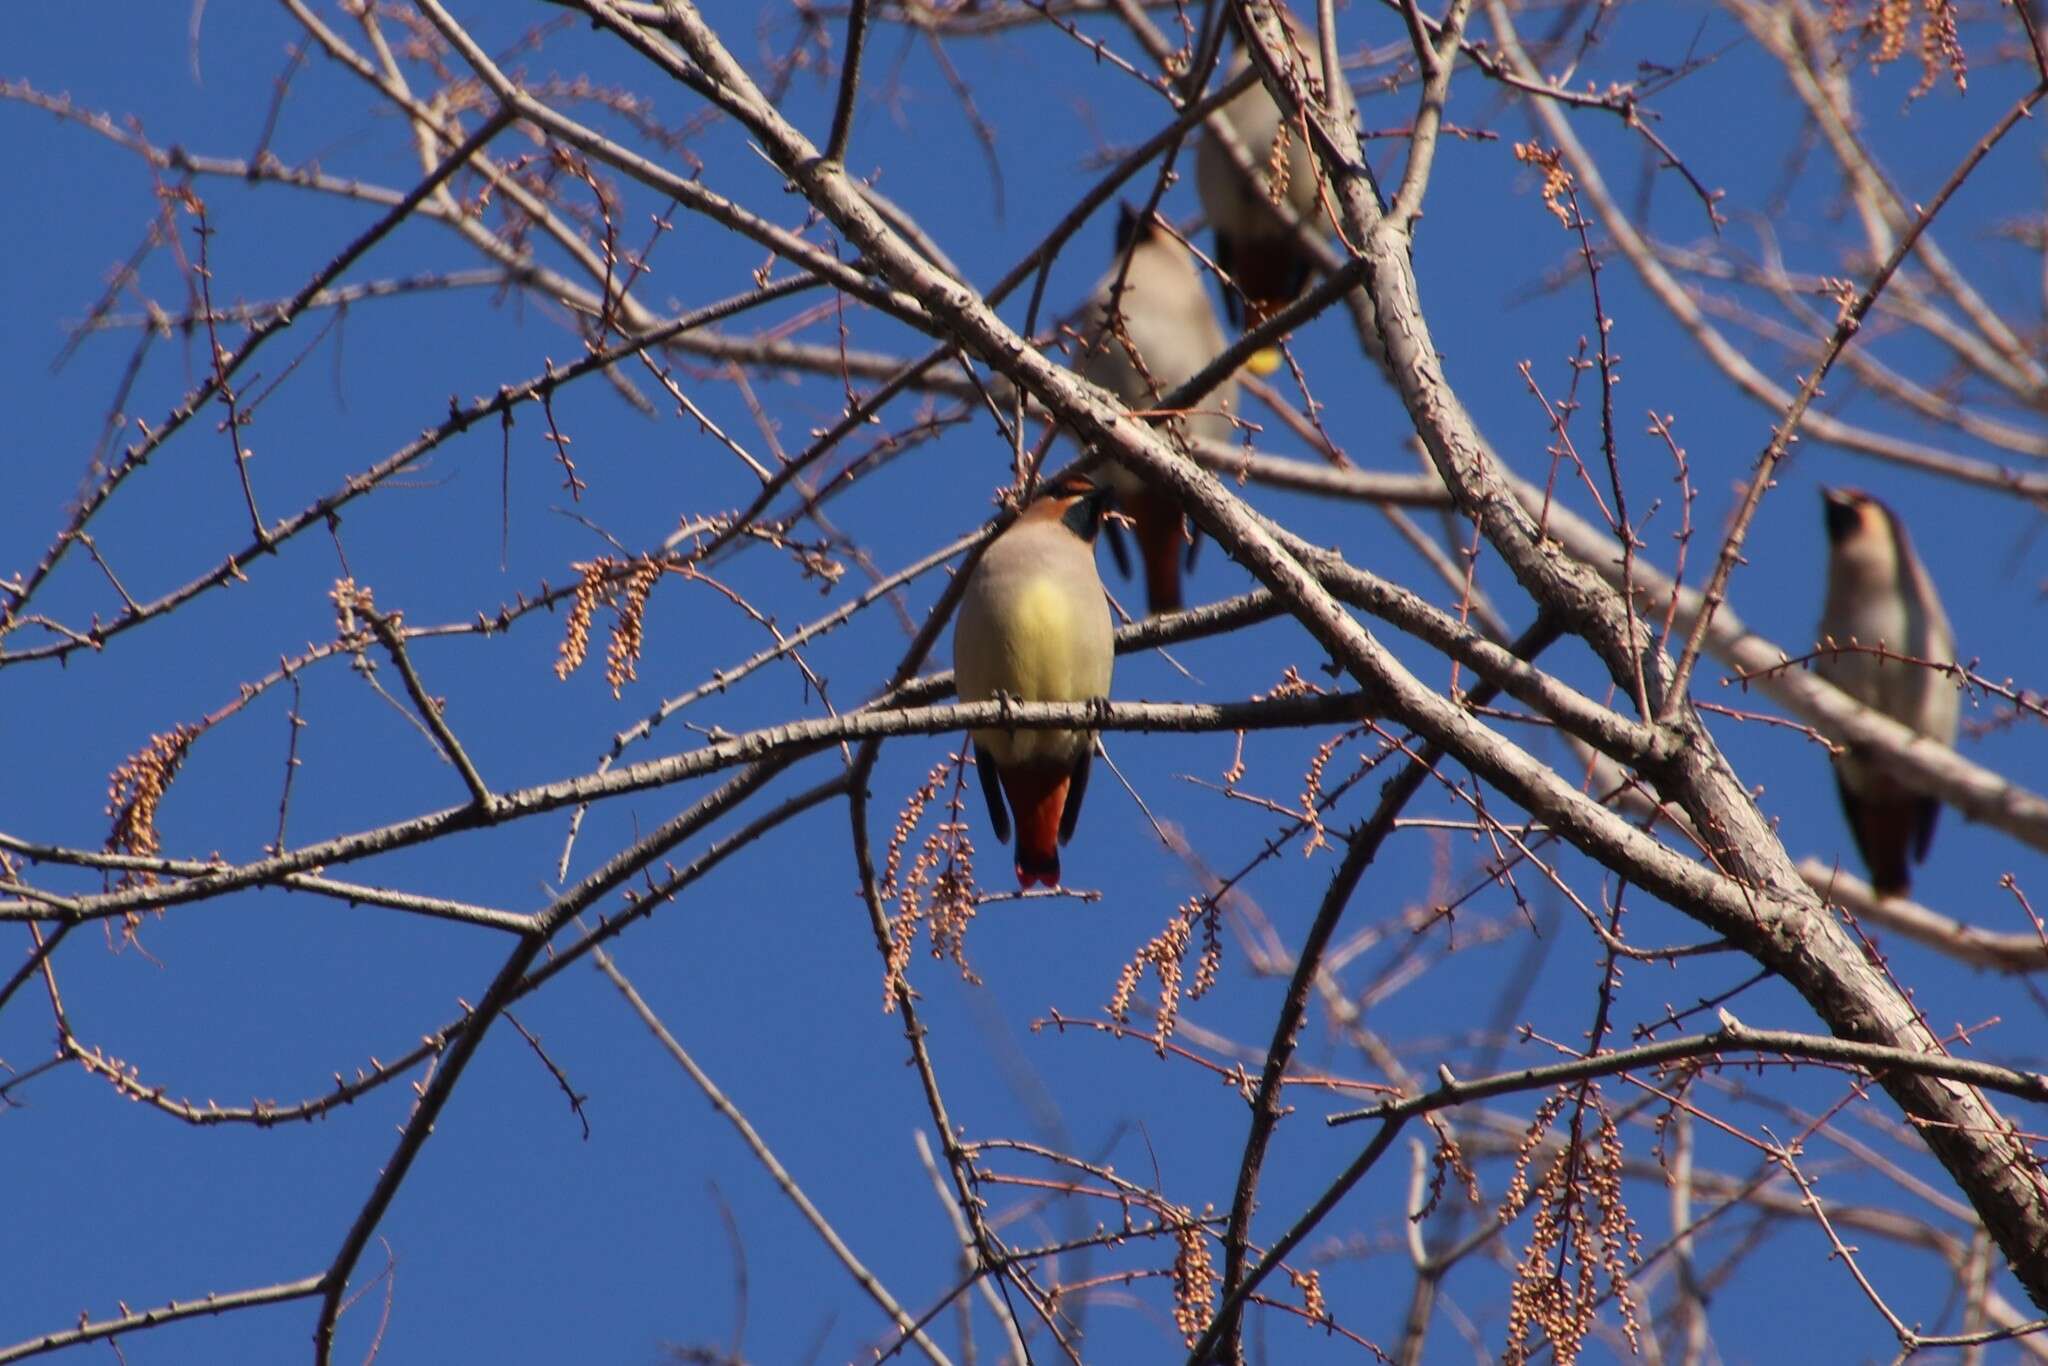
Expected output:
{"points": [[1879, 595], [1146, 330], [1034, 627], [1254, 244]]}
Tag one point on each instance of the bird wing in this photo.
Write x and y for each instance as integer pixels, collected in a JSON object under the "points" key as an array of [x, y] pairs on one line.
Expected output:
{"points": [[1933, 703]]}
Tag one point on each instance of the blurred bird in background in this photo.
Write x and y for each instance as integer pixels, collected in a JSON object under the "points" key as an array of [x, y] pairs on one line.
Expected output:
{"points": [[1146, 330], [1254, 244], [1878, 593]]}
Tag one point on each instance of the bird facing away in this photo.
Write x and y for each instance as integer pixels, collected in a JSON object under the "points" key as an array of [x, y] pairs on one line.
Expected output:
{"points": [[1878, 593], [1033, 626], [1168, 333], [1254, 245]]}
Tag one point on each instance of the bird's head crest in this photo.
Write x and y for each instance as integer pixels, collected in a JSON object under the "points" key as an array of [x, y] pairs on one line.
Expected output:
{"points": [[1076, 501], [1852, 512]]}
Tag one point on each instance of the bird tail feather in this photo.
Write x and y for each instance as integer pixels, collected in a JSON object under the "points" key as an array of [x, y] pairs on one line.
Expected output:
{"points": [[1038, 796], [1885, 827], [1271, 273], [1158, 520]]}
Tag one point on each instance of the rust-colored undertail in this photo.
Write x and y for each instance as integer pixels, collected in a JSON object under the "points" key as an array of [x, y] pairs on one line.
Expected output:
{"points": [[1158, 526], [1038, 797]]}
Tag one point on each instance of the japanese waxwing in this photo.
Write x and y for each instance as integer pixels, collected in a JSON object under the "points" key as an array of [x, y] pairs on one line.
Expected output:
{"points": [[1878, 593], [1254, 246], [1034, 626], [1168, 333]]}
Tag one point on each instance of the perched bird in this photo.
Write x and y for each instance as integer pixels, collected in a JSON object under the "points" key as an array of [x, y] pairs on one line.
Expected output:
{"points": [[1253, 243], [1148, 329], [1033, 626], [1878, 593]]}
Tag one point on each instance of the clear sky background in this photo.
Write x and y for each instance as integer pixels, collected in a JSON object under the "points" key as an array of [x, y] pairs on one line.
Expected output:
{"points": [[518, 1238]]}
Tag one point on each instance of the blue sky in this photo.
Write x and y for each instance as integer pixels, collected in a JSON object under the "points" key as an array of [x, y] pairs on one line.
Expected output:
{"points": [[515, 1238]]}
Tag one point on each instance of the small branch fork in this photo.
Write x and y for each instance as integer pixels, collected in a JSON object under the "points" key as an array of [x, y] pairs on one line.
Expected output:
{"points": [[386, 628]]}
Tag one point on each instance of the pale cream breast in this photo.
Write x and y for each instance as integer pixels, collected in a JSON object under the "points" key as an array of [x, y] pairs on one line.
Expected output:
{"points": [[1878, 594], [1033, 624]]}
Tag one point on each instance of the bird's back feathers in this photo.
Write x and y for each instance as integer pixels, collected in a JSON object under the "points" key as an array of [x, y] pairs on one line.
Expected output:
{"points": [[1148, 329], [1168, 331], [1253, 242]]}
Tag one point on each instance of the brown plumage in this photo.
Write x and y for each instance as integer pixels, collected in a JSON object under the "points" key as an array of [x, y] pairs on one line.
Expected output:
{"points": [[1879, 594], [1146, 330], [1254, 245]]}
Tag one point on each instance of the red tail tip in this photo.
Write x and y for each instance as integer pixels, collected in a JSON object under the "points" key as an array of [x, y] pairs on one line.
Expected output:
{"points": [[1037, 796], [1040, 875]]}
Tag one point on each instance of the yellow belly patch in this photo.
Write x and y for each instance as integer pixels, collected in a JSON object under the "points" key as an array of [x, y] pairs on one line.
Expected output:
{"points": [[1045, 663]]}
